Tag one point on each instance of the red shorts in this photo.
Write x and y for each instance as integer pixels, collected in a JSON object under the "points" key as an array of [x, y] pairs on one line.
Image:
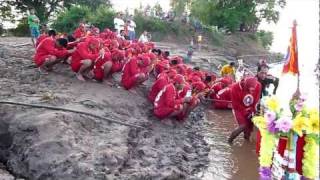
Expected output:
{"points": [[116, 67], [40, 60], [76, 64], [129, 82], [98, 69], [163, 112]]}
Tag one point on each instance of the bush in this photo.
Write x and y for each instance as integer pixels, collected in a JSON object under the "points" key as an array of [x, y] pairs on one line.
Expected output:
{"points": [[22, 29], [265, 38], [68, 20], [102, 17]]}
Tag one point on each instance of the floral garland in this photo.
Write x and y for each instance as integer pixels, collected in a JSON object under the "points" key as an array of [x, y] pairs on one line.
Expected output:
{"points": [[273, 125]]}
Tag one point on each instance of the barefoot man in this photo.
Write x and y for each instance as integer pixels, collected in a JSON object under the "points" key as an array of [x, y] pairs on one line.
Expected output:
{"points": [[50, 52], [245, 96]]}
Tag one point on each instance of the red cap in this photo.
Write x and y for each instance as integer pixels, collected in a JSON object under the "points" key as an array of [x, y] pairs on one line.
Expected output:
{"points": [[145, 61], [172, 73], [195, 79], [200, 86], [179, 79], [250, 82], [94, 42]]}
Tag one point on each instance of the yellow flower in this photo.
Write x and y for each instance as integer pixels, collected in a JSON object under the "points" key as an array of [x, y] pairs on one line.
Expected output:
{"points": [[300, 124], [260, 122], [313, 123], [273, 104]]}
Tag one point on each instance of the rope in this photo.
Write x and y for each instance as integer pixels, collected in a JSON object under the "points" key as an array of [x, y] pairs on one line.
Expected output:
{"points": [[73, 111]]}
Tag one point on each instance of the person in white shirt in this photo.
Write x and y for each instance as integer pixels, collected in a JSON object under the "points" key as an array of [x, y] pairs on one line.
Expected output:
{"points": [[118, 23], [121, 35], [144, 37], [131, 29]]}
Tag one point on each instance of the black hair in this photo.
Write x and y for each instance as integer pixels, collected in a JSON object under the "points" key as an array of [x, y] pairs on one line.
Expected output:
{"points": [[174, 62], [159, 51], [121, 31], [63, 42], [154, 50], [167, 53], [232, 64], [71, 38], [52, 32], [208, 78], [197, 68]]}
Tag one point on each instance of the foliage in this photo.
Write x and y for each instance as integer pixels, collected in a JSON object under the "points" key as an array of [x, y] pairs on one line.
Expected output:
{"points": [[22, 29], [68, 20], [179, 6], [157, 9], [265, 38], [45, 8], [102, 17], [244, 15]]}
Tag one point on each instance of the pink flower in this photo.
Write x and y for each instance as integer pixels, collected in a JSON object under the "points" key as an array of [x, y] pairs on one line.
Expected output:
{"points": [[270, 116], [299, 106], [303, 97], [284, 124]]}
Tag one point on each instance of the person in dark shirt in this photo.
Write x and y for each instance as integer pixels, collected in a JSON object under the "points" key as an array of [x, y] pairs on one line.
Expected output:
{"points": [[266, 79]]}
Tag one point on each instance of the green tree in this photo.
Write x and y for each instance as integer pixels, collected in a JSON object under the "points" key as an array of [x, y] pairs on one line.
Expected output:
{"points": [[102, 17], [45, 8], [179, 6], [232, 14], [158, 9], [68, 20]]}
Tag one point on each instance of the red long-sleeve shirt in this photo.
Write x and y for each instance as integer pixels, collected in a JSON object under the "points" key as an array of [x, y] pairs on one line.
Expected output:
{"points": [[158, 85], [83, 52], [48, 47]]}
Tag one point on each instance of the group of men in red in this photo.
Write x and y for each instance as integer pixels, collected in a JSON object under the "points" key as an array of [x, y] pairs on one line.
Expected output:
{"points": [[178, 87]]}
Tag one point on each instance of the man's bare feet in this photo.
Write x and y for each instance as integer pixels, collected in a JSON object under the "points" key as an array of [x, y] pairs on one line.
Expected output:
{"points": [[43, 71], [80, 77]]}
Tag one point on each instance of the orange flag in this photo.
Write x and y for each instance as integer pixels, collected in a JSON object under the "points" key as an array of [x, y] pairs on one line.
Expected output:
{"points": [[291, 60]]}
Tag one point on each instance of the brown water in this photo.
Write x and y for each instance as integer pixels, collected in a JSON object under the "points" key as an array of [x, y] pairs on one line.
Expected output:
{"points": [[237, 161]]}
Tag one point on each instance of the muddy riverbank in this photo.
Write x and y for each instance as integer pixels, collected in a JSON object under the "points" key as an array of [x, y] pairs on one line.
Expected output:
{"points": [[46, 144]]}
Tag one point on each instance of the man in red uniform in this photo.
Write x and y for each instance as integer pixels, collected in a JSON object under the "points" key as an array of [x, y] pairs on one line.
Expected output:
{"points": [[163, 79], [222, 99], [50, 52], [245, 96], [51, 33], [86, 54], [102, 67], [80, 32], [167, 103], [132, 73]]}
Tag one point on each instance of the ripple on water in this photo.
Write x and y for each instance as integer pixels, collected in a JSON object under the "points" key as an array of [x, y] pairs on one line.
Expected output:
{"points": [[226, 160]]}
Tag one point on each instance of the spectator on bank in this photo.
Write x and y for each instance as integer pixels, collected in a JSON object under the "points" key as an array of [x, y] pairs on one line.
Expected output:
{"points": [[118, 23], [144, 37], [131, 29], [33, 22]]}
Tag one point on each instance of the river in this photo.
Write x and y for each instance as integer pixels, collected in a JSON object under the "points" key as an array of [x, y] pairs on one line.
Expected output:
{"points": [[239, 161]]}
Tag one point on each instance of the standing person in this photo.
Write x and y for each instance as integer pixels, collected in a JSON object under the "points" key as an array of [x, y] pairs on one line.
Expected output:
{"points": [[33, 22], [144, 37], [228, 70], [245, 96], [266, 79], [131, 28], [118, 23]]}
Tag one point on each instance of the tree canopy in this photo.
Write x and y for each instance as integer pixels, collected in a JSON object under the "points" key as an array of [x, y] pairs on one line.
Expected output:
{"points": [[44, 8], [233, 15]]}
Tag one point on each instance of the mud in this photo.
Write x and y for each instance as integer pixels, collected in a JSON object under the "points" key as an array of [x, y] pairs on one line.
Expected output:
{"points": [[45, 144]]}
